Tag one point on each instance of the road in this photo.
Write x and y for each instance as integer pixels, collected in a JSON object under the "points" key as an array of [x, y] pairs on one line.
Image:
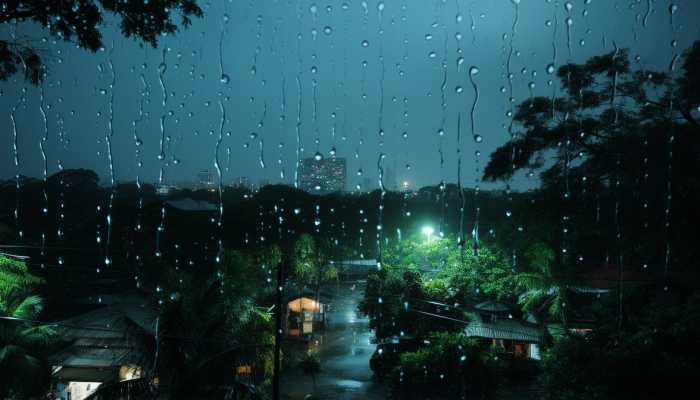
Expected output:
{"points": [[345, 350]]}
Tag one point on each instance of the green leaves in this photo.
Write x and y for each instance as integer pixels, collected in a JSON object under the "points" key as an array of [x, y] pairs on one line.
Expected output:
{"points": [[310, 261], [23, 345], [28, 308], [16, 286], [450, 364]]}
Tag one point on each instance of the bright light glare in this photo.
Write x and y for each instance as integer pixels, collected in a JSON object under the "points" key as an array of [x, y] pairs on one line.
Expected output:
{"points": [[428, 231]]}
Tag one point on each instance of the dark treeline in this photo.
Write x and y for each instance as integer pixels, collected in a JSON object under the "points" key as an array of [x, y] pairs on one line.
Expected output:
{"points": [[75, 233]]}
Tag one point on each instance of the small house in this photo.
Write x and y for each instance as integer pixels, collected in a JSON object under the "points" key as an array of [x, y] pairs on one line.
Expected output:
{"points": [[492, 324], [105, 346]]}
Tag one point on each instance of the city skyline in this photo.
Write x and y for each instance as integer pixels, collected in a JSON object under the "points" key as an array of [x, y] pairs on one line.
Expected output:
{"points": [[288, 93]]}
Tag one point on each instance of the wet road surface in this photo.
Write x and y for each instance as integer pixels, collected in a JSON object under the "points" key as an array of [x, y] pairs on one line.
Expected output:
{"points": [[345, 350]]}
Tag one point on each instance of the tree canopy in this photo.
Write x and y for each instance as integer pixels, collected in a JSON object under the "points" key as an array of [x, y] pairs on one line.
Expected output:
{"points": [[81, 21], [605, 111], [619, 143]]}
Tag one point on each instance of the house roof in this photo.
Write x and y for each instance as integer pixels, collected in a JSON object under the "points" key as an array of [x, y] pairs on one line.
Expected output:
{"points": [[357, 264], [491, 306], [109, 336], [94, 356], [188, 204], [114, 317], [505, 329]]}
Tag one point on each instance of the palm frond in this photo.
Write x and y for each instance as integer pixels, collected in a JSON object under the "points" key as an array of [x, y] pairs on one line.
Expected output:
{"points": [[28, 308], [531, 281], [38, 336], [532, 299]]}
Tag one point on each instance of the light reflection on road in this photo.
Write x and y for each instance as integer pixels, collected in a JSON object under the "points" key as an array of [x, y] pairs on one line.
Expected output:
{"points": [[345, 350]]}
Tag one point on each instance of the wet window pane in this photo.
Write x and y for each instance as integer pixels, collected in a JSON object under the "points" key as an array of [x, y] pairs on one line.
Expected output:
{"points": [[294, 199]]}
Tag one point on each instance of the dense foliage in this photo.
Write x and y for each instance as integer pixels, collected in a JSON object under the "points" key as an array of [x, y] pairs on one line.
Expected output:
{"points": [[425, 284], [451, 367], [617, 154], [24, 345], [210, 322], [650, 357], [81, 21]]}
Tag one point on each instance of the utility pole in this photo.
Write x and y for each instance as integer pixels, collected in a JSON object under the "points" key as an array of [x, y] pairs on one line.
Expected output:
{"points": [[278, 335]]}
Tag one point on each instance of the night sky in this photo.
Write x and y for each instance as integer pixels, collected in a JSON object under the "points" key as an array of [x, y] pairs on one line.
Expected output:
{"points": [[276, 54]]}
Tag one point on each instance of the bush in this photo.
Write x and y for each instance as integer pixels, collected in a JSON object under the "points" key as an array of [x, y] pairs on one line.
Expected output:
{"points": [[450, 367], [648, 358]]}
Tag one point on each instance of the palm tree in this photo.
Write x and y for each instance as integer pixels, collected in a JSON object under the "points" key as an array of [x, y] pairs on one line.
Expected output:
{"points": [[24, 371], [311, 263], [202, 335], [545, 287]]}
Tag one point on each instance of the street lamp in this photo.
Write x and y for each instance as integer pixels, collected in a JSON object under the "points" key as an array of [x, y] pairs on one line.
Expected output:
{"points": [[428, 231]]}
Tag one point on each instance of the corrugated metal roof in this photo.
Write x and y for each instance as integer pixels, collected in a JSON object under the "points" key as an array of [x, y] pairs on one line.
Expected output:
{"points": [[109, 336], [492, 306], [93, 356], [188, 204], [358, 263], [505, 329], [116, 317]]}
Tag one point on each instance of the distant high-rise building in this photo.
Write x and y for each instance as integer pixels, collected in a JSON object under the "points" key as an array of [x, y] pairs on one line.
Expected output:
{"points": [[205, 178], [242, 182], [322, 176]]}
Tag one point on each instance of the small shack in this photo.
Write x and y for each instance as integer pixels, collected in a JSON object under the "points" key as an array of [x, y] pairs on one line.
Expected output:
{"points": [[304, 314], [491, 323]]}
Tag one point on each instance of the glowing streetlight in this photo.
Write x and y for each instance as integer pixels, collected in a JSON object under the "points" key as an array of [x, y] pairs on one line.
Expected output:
{"points": [[428, 231]]}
